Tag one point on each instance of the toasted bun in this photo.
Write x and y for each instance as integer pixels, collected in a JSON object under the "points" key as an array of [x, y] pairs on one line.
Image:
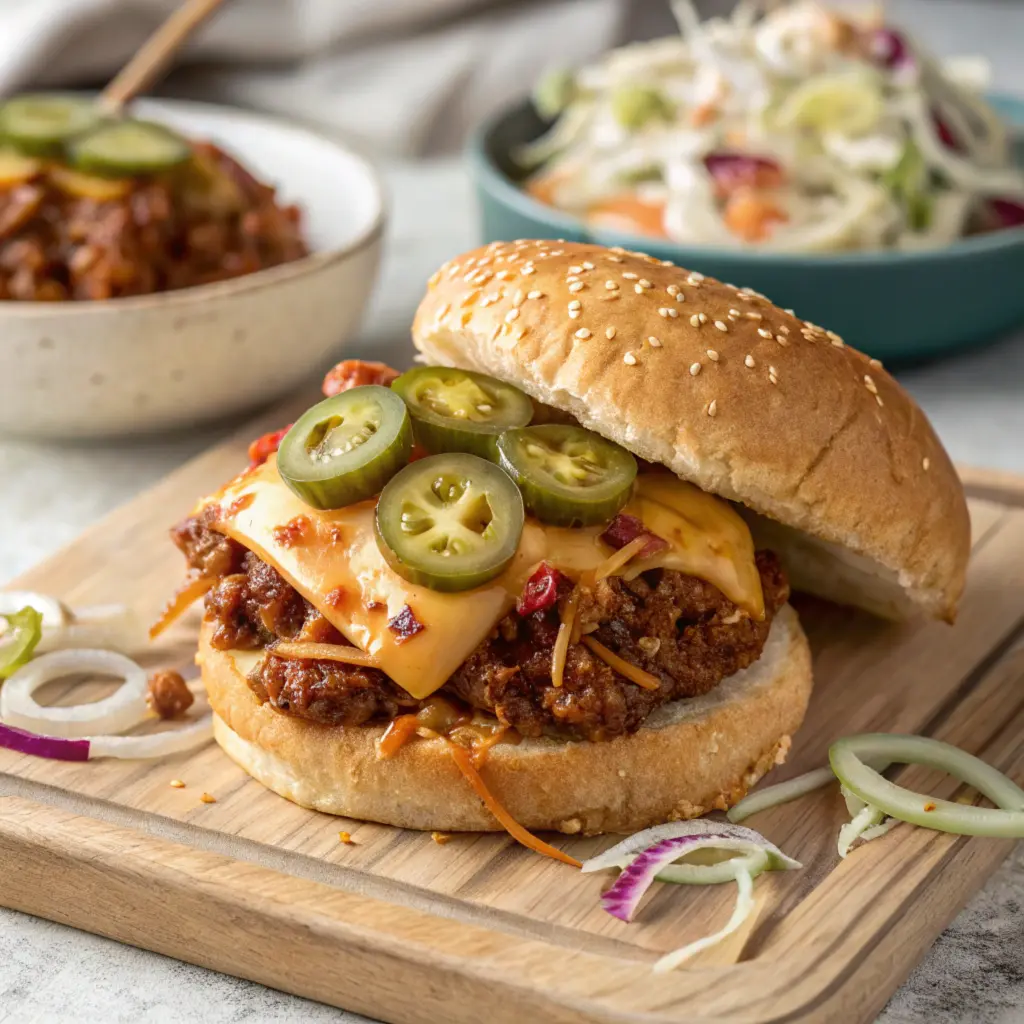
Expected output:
{"points": [[730, 392], [690, 757]]}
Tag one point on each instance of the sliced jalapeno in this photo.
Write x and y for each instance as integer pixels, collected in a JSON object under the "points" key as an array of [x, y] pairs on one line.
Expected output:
{"points": [[39, 124], [461, 411], [449, 522], [569, 476], [120, 148], [17, 643], [346, 448]]}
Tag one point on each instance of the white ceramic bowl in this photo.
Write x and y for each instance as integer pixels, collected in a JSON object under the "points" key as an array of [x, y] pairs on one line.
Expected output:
{"points": [[148, 363]]}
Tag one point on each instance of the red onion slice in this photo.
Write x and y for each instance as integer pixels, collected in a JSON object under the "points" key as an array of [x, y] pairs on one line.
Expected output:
{"points": [[52, 747]]}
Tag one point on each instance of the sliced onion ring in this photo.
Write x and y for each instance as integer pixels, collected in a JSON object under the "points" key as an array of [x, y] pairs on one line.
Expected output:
{"points": [[112, 626], [848, 757], [125, 708], [55, 613]]}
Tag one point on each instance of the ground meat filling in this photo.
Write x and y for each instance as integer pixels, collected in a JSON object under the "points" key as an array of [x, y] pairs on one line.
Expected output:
{"points": [[680, 629]]}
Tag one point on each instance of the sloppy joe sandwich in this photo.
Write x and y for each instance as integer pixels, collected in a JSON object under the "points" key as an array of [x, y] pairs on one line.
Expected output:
{"points": [[542, 579]]}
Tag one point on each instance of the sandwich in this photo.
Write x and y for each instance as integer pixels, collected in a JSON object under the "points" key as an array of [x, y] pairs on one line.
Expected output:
{"points": [[541, 580]]}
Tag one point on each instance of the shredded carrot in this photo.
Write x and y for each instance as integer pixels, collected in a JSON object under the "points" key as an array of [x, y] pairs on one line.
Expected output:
{"points": [[624, 668], [617, 559], [703, 114], [398, 733], [180, 603], [464, 760], [325, 652], [751, 216], [561, 649], [628, 213], [542, 187]]}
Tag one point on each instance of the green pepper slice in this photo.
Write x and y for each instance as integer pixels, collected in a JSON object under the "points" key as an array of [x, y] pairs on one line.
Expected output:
{"points": [[449, 522], [40, 123], [346, 448], [24, 631], [461, 411], [569, 476], [120, 148]]}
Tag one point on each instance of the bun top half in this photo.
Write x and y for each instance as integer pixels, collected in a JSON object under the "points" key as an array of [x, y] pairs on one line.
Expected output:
{"points": [[729, 391]]}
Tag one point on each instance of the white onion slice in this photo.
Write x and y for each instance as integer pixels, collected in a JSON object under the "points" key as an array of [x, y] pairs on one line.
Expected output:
{"points": [[866, 818], [157, 744], [771, 796], [55, 614], [113, 626], [744, 908], [125, 708]]}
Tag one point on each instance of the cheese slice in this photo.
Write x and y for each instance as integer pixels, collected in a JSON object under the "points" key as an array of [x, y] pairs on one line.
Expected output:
{"points": [[332, 559]]}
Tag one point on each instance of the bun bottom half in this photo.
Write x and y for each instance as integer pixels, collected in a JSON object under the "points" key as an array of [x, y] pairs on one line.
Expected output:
{"points": [[690, 757]]}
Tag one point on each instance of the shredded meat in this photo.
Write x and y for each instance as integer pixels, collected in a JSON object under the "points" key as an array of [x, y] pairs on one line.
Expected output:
{"points": [[680, 629], [168, 694]]}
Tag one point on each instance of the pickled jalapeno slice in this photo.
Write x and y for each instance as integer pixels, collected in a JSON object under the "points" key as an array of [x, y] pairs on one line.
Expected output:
{"points": [[569, 476], [449, 522], [461, 411], [40, 123], [345, 449]]}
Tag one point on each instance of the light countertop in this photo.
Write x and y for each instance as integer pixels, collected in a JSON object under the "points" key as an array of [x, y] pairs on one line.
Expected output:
{"points": [[50, 974]]}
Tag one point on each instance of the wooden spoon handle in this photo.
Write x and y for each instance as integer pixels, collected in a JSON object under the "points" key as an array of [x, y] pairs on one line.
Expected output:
{"points": [[155, 53]]}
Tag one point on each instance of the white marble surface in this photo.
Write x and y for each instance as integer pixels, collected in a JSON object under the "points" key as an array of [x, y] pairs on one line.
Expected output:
{"points": [[51, 974]]}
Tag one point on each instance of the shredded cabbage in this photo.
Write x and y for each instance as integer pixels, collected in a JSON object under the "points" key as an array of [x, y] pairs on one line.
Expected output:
{"points": [[877, 144]]}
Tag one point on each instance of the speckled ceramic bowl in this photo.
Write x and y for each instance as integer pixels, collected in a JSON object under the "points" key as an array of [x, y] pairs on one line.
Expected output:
{"points": [[895, 306], [138, 365]]}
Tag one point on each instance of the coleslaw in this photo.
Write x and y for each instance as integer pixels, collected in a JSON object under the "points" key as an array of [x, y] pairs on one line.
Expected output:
{"points": [[798, 130]]}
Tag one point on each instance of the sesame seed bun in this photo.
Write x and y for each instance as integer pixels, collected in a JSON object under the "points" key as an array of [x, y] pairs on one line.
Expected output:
{"points": [[690, 757], [840, 470]]}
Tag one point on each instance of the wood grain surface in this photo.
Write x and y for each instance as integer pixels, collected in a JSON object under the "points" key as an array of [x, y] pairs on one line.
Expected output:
{"points": [[399, 927]]}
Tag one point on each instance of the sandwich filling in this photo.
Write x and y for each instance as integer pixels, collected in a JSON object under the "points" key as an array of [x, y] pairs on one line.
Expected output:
{"points": [[675, 627]]}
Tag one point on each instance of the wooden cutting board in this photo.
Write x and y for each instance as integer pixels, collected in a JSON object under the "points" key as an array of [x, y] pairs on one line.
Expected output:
{"points": [[399, 927]]}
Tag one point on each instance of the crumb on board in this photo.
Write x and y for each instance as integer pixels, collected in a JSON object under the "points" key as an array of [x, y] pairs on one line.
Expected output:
{"points": [[440, 838], [208, 798], [177, 784], [345, 838]]}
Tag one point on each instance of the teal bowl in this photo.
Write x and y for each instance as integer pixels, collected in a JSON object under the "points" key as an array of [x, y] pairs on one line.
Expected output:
{"points": [[896, 306]]}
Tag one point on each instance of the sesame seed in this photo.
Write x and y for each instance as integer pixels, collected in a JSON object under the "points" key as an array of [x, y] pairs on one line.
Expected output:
{"points": [[529, 270], [434, 278], [504, 275], [630, 276], [789, 311], [695, 320], [576, 286], [470, 298], [673, 290], [517, 299], [764, 332], [654, 342], [783, 329], [695, 278], [721, 325], [772, 379], [867, 379], [609, 297], [749, 361], [629, 359], [206, 798], [575, 270], [496, 331], [663, 312], [734, 312], [178, 784], [574, 314], [588, 266], [467, 315], [712, 355], [571, 279], [638, 288], [772, 371], [575, 303], [535, 295], [614, 259], [583, 334], [838, 342], [703, 317], [612, 286], [781, 340], [344, 837], [925, 463], [444, 310], [752, 314], [644, 283], [713, 407], [876, 363], [511, 315], [878, 399], [694, 369], [609, 333]]}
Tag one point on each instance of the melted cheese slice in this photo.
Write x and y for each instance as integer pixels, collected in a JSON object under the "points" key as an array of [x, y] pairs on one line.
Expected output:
{"points": [[332, 559]]}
